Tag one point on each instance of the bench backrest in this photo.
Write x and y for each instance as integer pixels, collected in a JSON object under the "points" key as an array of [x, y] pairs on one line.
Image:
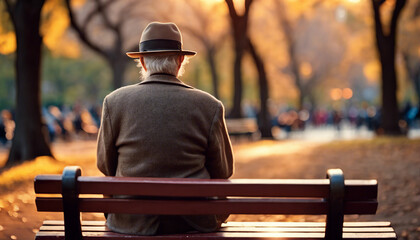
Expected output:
{"points": [[333, 197], [241, 125]]}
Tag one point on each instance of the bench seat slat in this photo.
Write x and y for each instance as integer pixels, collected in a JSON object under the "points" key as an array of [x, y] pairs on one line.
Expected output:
{"points": [[356, 189], [246, 229], [300, 224], [194, 207], [233, 236], [248, 224]]}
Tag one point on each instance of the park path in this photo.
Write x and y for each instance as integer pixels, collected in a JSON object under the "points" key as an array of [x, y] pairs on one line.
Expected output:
{"points": [[395, 163]]}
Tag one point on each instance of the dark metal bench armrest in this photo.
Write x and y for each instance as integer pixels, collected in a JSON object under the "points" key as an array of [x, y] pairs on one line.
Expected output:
{"points": [[73, 229], [335, 216]]}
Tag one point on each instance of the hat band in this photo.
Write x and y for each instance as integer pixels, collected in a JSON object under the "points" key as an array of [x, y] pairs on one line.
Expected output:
{"points": [[160, 44]]}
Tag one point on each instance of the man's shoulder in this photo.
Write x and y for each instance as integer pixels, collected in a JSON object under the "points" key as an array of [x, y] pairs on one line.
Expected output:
{"points": [[204, 96], [120, 92]]}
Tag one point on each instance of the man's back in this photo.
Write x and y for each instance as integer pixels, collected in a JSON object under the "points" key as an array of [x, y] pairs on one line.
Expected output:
{"points": [[162, 128]]}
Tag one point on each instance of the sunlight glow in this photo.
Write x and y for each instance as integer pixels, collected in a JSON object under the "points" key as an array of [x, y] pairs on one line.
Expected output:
{"points": [[371, 71], [7, 43], [54, 30], [239, 6]]}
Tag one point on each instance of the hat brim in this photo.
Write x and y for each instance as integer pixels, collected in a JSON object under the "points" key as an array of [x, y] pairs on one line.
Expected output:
{"points": [[160, 52]]}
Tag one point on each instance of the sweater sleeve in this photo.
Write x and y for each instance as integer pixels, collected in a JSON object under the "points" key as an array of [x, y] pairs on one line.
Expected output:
{"points": [[219, 159], [107, 157]]}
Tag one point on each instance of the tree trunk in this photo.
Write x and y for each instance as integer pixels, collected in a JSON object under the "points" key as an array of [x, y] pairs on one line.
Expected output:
{"points": [[212, 64], [240, 35], [236, 111], [413, 73], [300, 99], [264, 115], [29, 141], [312, 100], [118, 66], [297, 77], [291, 49], [390, 112], [386, 45], [416, 81]]}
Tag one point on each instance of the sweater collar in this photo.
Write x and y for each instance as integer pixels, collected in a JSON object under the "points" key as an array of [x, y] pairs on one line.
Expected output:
{"points": [[165, 79]]}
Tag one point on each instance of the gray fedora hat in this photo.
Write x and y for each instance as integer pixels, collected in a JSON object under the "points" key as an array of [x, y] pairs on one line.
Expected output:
{"points": [[160, 39]]}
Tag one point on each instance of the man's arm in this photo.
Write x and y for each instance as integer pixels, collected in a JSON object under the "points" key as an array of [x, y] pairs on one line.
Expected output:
{"points": [[107, 157], [219, 159]]}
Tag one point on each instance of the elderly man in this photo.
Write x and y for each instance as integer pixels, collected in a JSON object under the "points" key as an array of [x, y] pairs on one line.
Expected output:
{"points": [[162, 127]]}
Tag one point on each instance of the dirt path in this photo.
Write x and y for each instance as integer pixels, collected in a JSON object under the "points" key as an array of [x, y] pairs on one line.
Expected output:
{"points": [[394, 162]]}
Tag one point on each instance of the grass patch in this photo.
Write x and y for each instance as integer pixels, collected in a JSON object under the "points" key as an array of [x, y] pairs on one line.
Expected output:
{"points": [[28, 170]]}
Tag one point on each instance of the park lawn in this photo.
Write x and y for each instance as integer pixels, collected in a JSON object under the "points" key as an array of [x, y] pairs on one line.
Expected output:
{"points": [[395, 162]]}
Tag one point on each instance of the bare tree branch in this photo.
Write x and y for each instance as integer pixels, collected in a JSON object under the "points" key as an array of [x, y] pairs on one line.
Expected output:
{"points": [[399, 5], [378, 23], [378, 3], [89, 18], [247, 6], [82, 34], [416, 11], [10, 10], [232, 11], [92, 14], [105, 17], [284, 22]]}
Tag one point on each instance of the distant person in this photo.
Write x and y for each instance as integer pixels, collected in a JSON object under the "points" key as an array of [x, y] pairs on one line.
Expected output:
{"points": [[162, 127], [336, 119], [7, 126], [3, 139]]}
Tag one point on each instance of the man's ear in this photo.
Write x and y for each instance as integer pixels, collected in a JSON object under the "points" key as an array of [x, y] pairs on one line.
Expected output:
{"points": [[180, 60], [142, 63]]}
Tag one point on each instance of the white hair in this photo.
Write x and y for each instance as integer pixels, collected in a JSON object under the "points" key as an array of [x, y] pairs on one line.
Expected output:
{"points": [[162, 64]]}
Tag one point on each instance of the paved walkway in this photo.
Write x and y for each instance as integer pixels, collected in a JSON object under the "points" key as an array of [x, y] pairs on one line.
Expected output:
{"points": [[330, 133]]}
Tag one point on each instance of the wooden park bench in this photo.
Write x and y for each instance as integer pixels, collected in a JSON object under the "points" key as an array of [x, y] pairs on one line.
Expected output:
{"points": [[333, 197], [238, 127]]}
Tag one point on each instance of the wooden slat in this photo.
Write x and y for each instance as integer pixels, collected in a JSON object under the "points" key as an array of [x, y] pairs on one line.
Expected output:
{"points": [[49, 228], [355, 189], [194, 207], [291, 224], [249, 224], [237, 230], [246, 229], [219, 235], [84, 223]]}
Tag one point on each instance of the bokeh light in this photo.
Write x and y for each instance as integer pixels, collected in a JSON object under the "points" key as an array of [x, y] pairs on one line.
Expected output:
{"points": [[347, 93], [336, 94]]}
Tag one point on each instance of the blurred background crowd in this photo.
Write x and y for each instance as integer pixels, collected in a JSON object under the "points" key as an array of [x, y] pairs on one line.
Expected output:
{"points": [[80, 122]]}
